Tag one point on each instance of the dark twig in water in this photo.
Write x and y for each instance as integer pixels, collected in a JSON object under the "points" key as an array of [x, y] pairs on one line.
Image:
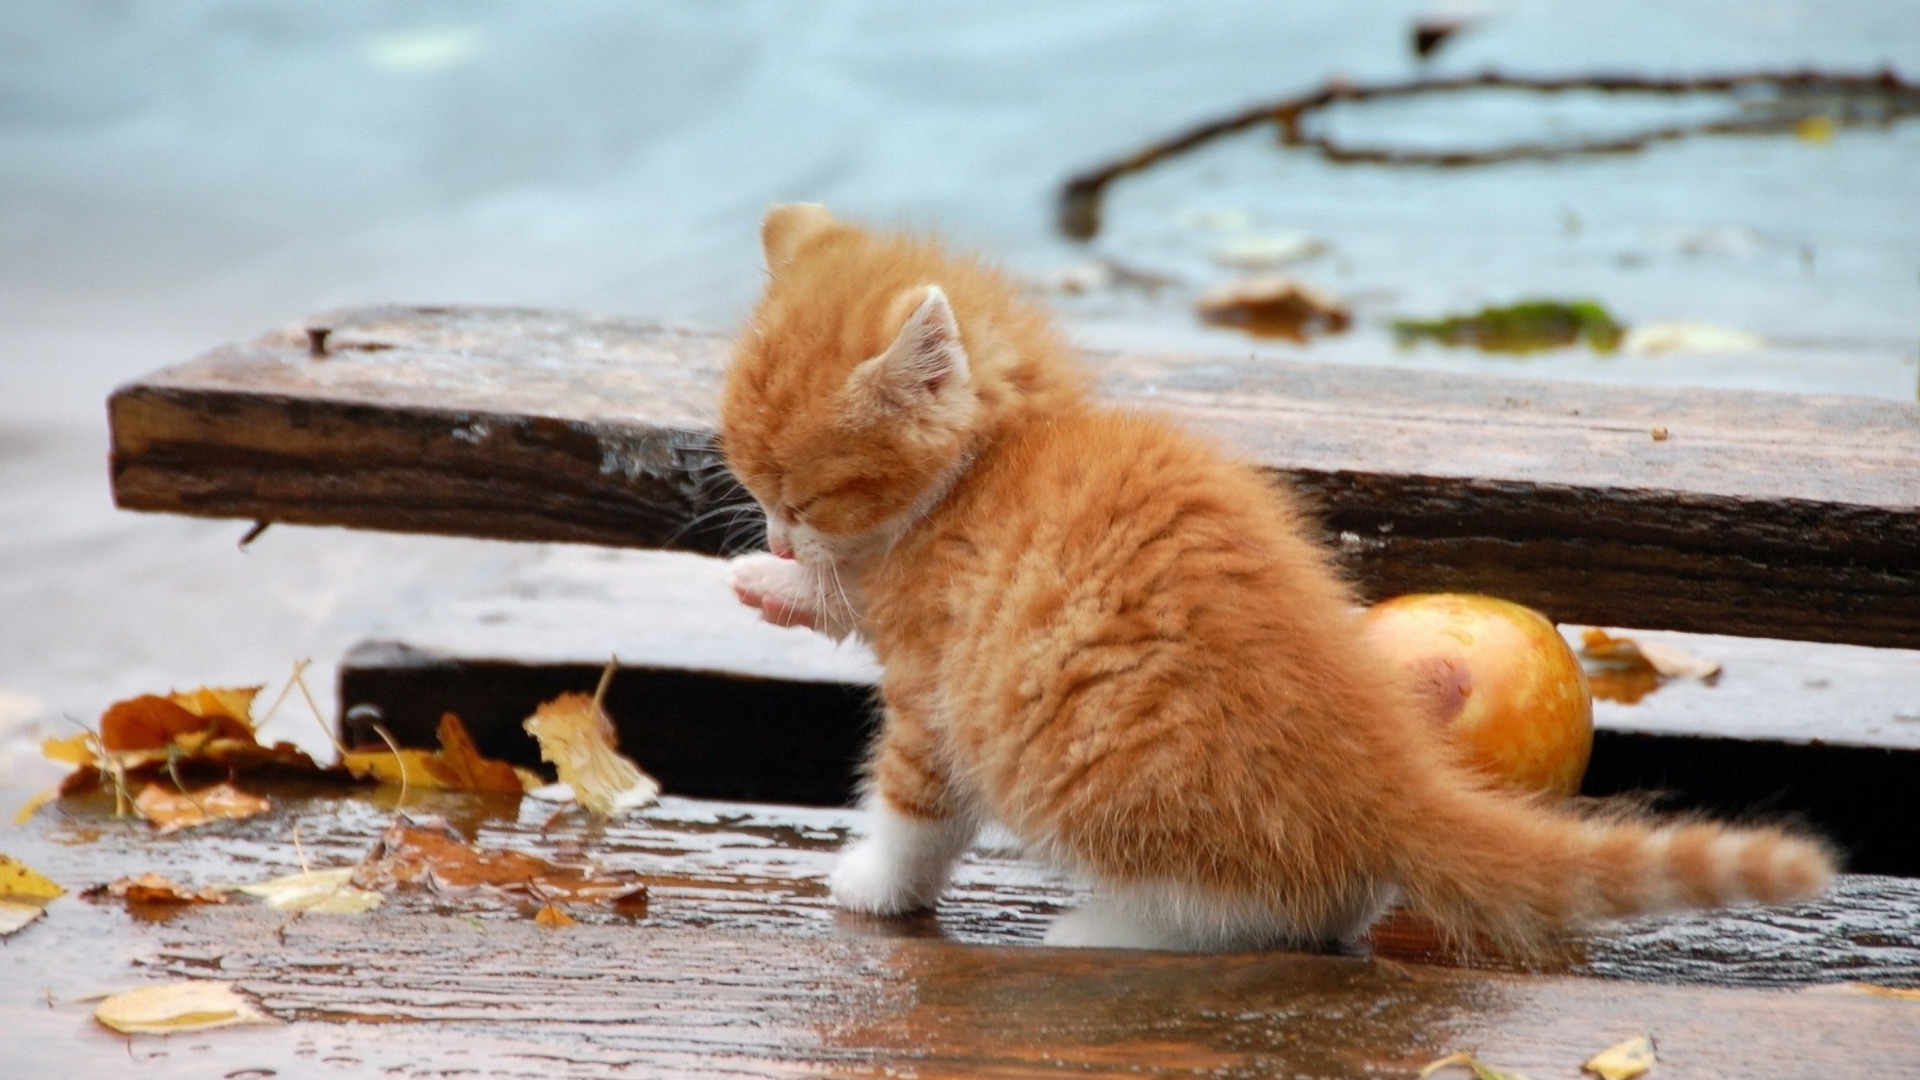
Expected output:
{"points": [[1844, 100]]}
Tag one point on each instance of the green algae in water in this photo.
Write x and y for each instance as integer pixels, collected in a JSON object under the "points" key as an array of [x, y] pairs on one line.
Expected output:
{"points": [[1526, 327]]}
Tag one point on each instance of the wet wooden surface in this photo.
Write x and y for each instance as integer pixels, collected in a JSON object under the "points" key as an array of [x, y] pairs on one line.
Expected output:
{"points": [[1758, 514], [740, 967]]}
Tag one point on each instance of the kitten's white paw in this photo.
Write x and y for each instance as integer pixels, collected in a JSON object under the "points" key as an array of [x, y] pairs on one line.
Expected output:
{"points": [[765, 574], [1101, 925], [901, 866]]}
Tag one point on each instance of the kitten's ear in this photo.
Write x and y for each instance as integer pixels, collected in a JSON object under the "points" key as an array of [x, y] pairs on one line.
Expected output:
{"points": [[926, 360], [790, 227]]}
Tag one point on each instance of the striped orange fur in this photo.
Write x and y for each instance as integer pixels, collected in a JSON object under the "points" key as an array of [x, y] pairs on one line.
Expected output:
{"points": [[1127, 648]]}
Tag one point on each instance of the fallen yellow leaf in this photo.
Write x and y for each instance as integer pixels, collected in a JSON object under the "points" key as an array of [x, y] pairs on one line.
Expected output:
{"points": [[171, 811], [192, 1005], [34, 804], [1622, 1061], [409, 767], [327, 892], [72, 750], [576, 735], [14, 916], [548, 915], [233, 702], [457, 766], [1464, 1059], [18, 881]]}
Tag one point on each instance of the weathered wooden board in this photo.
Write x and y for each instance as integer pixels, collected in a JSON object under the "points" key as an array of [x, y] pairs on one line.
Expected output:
{"points": [[1757, 514], [740, 967]]}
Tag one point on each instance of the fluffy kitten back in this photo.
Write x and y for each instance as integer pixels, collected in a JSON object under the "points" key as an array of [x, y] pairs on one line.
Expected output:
{"points": [[1098, 630]]}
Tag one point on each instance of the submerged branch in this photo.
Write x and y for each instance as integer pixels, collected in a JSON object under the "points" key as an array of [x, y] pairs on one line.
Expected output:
{"points": [[1877, 98]]}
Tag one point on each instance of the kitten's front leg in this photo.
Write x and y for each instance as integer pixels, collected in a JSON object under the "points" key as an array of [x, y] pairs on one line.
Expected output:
{"points": [[789, 594], [913, 832]]}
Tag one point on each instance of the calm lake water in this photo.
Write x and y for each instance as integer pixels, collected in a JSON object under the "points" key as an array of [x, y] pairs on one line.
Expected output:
{"points": [[172, 174]]}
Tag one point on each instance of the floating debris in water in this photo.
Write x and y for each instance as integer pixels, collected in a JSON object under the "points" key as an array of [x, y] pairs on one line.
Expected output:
{"points": [[1526, 327], [1689, 337], [1275, 306], [1263, 250]]}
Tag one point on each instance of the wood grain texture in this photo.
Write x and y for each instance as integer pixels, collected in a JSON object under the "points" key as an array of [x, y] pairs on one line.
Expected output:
{"points": [[740, 967], [1760, 514]]}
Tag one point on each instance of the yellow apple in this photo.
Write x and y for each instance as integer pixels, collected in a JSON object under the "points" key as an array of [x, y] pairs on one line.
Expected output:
{"points": [[1499, 677]]}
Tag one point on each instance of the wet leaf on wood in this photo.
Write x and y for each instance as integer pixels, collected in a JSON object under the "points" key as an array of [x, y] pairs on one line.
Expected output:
{"points": [[577, 736], [191, 1005], [1275, 306], [20, 882], [1526, 327], [171, 810], [430, 853], [549, 915], [1464, 1059], [151, 888], [1622, 1061], [457, 766], [1667, 661], [14, 917], [326, 892]]}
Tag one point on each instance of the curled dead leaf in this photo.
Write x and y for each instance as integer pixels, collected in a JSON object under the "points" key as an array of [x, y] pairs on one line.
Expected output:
{"points": [[430, 853], [190, 1005], [171, 810], [577, 736], [151, 888], [1622, 1061]]}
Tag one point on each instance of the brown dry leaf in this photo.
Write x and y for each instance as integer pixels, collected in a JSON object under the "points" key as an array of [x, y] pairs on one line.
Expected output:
{"points": [[191, 1005], [1622, 1061], [430, 853], [576, 735], [1271, 305], [327, 892], [72, 750], [467, 769], [1667, 661], [548, 915], [14, 917], [1464, 1059], [171, 811], [20, 882], [150, 722], [457, 766], [151, 888]]}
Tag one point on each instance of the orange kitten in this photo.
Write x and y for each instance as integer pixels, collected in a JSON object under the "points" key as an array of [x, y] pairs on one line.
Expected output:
{"points": [[1123, 646]]}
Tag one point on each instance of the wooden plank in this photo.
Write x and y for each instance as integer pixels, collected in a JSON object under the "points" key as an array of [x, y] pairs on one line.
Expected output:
{"points": [[740, 967], [1758, 514]]}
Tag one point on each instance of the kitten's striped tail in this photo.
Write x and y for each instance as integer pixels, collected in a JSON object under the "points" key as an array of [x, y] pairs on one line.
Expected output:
{"points": [[1497, 867]]}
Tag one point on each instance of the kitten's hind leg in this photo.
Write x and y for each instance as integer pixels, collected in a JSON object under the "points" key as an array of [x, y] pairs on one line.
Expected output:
{"points": [[1168, 915]]}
